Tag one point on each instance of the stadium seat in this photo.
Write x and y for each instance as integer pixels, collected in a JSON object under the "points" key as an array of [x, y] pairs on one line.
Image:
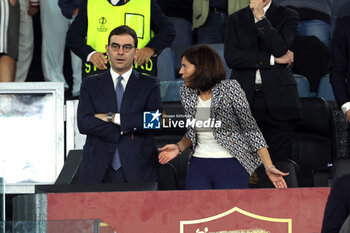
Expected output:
{"points": [[169, 90], [325, 89], [70, 171], [302, 85], [165, 65], [292, 179], [313, 143], [340, 167], [167, 177], [219, 48]]}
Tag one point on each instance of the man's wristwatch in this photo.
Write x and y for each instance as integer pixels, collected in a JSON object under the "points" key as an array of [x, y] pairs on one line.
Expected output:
{"points": [[110, 116]]}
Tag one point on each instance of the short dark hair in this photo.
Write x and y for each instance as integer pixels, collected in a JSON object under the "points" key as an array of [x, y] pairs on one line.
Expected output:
{"points": [[121, 30], [210, 69]]}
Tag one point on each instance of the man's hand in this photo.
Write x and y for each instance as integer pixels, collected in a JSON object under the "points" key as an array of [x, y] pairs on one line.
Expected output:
{"points": [[143, 55], [13, 2], [287, 58], [99, 60], [101, 116], [257, 7], [347, 114], [33, 10]]}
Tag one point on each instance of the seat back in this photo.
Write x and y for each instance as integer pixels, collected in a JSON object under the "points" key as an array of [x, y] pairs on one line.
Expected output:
{"points": [[325, 90], [167, 177], [70, 171], [170, 90], [292, 179], [313, 139], [219, 48], [340, 167], [302, 85]]}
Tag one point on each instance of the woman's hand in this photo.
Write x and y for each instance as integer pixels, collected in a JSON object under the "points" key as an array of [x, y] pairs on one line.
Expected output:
{"points": [[167, 153], [276, 177]]}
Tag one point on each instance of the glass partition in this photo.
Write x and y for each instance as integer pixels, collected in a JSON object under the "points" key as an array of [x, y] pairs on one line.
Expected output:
{"points": [[57, 226], [31, 135]]}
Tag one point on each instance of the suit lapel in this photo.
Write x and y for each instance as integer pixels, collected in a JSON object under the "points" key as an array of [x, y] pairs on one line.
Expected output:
{"points": [[107, 89], [130, 91], [271, 13]]}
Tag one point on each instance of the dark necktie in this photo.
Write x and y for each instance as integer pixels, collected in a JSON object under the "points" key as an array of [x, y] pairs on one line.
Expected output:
{"points": [[119, 90]]}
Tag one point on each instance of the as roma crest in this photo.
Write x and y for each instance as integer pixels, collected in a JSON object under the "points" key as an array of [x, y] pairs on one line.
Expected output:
{"points": [[237, 220]]}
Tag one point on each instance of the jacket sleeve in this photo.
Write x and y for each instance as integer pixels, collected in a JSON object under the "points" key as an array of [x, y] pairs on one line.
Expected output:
{"points": [[240, 55], [76, 35], [278, 41], [337, 206], [68, 7], [237, 55], [339, 69], [90, 125], [164, 30]]}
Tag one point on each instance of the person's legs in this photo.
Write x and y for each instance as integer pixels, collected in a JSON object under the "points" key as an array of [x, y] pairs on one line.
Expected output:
{"points": [[211, 173], [317, 28], [26, 42], [278, 134], [76, 67], [7, 68], [197, 176], [229, 174], [212, 32], [54, 29], [77, 72]]}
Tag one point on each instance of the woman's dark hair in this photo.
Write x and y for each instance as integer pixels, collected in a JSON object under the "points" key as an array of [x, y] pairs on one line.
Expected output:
{"points": [[210, 69], [121, 30]]}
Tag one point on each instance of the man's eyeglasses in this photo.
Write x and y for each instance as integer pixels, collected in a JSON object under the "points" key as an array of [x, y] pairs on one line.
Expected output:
{"points": [[126, 48]]}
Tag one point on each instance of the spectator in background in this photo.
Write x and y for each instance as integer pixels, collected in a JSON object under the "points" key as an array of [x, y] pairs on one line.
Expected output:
{"points": [[209, 17], [340, 67], [89, 31], [28, 8], [314, 16], [54, 28], [9, 27], [257, 43], [340, 8], [338, 205]]}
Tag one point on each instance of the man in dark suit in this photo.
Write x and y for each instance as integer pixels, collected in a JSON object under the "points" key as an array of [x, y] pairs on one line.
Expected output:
{"points": [[110, 113], [340, 67], [257, 44], [338, 205]]}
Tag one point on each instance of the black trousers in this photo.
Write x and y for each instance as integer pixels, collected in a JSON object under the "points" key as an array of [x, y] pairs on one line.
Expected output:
{"points": [[277, 133]]}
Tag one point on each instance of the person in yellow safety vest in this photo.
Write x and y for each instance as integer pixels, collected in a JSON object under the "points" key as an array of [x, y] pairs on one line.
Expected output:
{"points": [[88, 34]]}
